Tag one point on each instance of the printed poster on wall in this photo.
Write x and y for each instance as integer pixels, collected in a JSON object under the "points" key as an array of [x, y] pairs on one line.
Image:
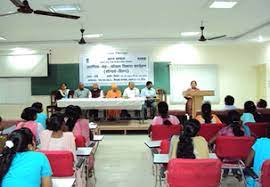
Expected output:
{"points": [[114, 67]]}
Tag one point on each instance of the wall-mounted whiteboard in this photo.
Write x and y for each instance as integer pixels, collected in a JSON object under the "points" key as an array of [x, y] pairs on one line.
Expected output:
{"points": [[15, 90], [181, 75], [35, 65]]}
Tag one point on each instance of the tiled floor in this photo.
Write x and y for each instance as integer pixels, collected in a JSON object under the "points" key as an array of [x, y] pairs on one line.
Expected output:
{"points": [[124, 161]]}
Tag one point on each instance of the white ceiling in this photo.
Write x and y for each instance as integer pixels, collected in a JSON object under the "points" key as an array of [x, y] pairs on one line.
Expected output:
{"points": [[118, 19]]}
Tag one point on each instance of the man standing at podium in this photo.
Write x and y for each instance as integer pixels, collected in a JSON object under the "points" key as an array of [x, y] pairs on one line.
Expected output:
{"points": [[193, 85]]}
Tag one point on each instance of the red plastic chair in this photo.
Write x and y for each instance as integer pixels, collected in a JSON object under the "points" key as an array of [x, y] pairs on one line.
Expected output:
{"points": [[208, 131], [61, 162], [259, 129], [265, 174], [194, 172], [231, 147], [80, 141], [164, 147], [162, 132], [232, 150]]}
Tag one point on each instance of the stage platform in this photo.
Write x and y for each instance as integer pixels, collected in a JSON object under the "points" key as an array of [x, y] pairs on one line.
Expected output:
{"points": [[123, 126]]}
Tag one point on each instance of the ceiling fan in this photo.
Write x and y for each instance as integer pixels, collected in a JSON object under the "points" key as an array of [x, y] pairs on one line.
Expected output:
{"points": [[24, 8], [203, 39], [82, 40]]}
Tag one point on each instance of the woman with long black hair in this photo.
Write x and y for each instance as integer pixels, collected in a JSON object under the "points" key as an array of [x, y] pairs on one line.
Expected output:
{"points": [[189, 144], [234, 127], [207, 116], [76, 124], [163, 117], [20, 165]]}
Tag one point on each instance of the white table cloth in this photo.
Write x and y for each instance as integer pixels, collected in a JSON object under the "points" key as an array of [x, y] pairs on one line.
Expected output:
{"points": [[104, 103]]}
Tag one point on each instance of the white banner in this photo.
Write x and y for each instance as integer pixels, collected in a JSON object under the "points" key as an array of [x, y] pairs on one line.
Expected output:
{"points": [[114, 67]]}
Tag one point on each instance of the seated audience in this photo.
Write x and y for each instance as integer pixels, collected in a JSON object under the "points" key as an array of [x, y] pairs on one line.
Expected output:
{"points": [[150, 94], [79, 127], [189, 145], [82, 92], [20, 165], [114, 92], [258, 154], [1, 125], [262, 104], [251, 115], [164, 118], [63, 92], [249, 111], [234, 127], [41, 117], [76, 124], [30, 115], [96, 92], [56, 138], [5, 130], [229, 103], [2, 138], [207, 117]]}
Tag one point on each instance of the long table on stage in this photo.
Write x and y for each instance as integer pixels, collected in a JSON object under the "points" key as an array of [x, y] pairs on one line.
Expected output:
{"points": [[105, 103]]}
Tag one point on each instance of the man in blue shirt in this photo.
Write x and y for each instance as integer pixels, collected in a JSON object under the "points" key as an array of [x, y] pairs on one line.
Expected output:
{"points": [[150, 94]]}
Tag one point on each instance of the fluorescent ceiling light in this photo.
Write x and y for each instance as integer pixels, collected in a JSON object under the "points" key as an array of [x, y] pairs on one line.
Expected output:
{"points": [[260, 39], [65, 8], [93, 35], [22, 51], [223, 4], [190, 33], [1, 38]]}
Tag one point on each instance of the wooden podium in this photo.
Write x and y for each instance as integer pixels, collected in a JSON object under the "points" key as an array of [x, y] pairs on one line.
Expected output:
{"points": [[197, 99]]}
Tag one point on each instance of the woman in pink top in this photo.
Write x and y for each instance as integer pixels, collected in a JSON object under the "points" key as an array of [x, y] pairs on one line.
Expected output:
{"points": [[233, 129], [29, 114], [80, 127], [77, 125], [164, 118], [56, 138]]}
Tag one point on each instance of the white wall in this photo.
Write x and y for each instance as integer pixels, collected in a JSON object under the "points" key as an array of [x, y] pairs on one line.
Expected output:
{"points": [[265, 56], [236, 62]]}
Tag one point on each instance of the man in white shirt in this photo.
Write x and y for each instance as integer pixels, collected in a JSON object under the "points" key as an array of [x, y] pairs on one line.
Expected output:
{"points": [[131, 91]]}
